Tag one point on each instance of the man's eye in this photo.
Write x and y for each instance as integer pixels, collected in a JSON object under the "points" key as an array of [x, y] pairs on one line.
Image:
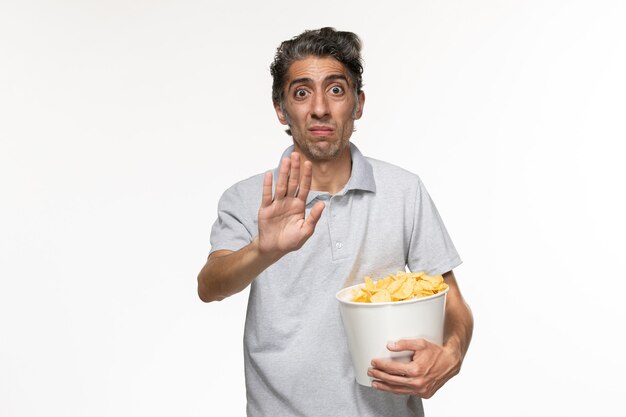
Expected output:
{"points": [[301, 93], [336, 90]]}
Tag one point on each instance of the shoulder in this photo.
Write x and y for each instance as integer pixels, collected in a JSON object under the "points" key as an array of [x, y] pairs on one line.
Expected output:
{"points": [[245, 192], [251, 183], [386, 173]]}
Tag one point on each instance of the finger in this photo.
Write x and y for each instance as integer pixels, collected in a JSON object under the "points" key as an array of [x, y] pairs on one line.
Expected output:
{"points": [[391, 367], [314, 216], [404, 385], [396, 379], [266, 200], [305, 181], [294, 174], [396, 389], [281, 182]]}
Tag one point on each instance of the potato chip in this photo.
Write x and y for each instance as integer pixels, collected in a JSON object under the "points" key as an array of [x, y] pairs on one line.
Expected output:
{"points": [[399, 287], [381, 296], [435, 280], [396, 284], [361, 296], [417, 274], [383, 283], [405, 291], [425, 285]]}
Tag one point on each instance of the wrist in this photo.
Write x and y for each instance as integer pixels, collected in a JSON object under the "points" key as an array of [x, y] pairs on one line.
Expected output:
{"points": [[454, 350], [264, 255]]}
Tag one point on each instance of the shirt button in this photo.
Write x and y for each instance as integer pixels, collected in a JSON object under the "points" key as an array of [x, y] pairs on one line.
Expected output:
{"points": [[339, 245]]}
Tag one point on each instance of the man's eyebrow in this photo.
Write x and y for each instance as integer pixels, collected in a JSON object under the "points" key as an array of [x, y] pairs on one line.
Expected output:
{"points": [[334, 77], [306, 80], [303, 80]]}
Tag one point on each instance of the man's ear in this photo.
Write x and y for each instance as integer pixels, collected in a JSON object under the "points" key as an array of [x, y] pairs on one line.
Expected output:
{"points": [[359, 110], [282, 118]]}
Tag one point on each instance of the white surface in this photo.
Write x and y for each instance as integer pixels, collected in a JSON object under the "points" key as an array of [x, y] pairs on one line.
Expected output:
{"points": [[121, 122], [370, 326]]}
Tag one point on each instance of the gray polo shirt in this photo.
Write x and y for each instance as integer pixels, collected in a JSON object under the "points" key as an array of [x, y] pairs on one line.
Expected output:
{"points": [[296, 355]]}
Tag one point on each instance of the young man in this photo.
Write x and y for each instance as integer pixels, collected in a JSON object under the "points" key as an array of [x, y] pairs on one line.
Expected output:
{"points": [[325, 218]]}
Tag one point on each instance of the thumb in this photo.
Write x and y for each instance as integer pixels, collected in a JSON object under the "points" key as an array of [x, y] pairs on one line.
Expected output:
{"points": [[314, 215]]}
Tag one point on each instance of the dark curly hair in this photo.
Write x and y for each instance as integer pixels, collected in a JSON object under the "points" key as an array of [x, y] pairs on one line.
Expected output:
{"points": [[345, 47]]}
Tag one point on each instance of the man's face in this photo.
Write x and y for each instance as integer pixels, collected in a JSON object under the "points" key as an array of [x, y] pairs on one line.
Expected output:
{"points": [[320, 107]]}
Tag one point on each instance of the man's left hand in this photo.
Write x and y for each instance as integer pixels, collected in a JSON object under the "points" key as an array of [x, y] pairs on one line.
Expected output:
{"points": [[431, 366]]}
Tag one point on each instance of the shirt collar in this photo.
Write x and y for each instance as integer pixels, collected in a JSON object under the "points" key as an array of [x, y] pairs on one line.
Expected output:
{"points": [[361, 177]]}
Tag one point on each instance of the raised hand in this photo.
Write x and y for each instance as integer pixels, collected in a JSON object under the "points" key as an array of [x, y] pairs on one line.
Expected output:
{"points": [[282, 224]]}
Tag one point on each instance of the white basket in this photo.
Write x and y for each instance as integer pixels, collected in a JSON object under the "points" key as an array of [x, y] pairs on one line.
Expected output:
{"points": [[370, 326]]}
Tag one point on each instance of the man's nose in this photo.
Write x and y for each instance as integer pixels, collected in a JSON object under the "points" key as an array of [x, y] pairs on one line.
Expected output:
{"points": [[320, 107]]}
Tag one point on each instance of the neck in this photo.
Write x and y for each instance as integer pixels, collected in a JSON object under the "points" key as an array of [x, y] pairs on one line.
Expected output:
{"points": [[330, 176]]}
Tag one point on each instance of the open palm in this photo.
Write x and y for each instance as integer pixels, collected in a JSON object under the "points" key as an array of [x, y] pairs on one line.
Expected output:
{"points": [[282, 224]]}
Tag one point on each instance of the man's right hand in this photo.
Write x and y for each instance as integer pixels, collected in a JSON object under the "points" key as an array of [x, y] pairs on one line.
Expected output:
{"points": [[282, 224], [282, 228]]}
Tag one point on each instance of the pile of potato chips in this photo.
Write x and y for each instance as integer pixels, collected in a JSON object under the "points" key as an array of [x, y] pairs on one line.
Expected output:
{"points": [[399, 287]]}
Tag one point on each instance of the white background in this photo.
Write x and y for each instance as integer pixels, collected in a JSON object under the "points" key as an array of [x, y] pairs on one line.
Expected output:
{"points": [[121, 123]]}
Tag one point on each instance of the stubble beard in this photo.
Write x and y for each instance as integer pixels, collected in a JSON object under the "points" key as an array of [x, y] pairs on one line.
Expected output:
{"points": [[316, 153]]}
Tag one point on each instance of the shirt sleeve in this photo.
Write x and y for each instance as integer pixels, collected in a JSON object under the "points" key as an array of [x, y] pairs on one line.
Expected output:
{"points": [[232, 229], [430, 249]]}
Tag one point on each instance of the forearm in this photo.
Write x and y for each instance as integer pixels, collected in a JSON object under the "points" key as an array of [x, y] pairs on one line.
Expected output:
{"points": [[459, 323], [226, 273]]}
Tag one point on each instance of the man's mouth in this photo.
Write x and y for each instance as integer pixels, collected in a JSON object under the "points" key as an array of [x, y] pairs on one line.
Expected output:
{"points": [[321, 130]]}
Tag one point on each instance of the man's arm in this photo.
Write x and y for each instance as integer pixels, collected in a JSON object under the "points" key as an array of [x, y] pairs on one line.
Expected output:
{"points": [[226, 272], [432, 365], [283, 228], [459, 323]]}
